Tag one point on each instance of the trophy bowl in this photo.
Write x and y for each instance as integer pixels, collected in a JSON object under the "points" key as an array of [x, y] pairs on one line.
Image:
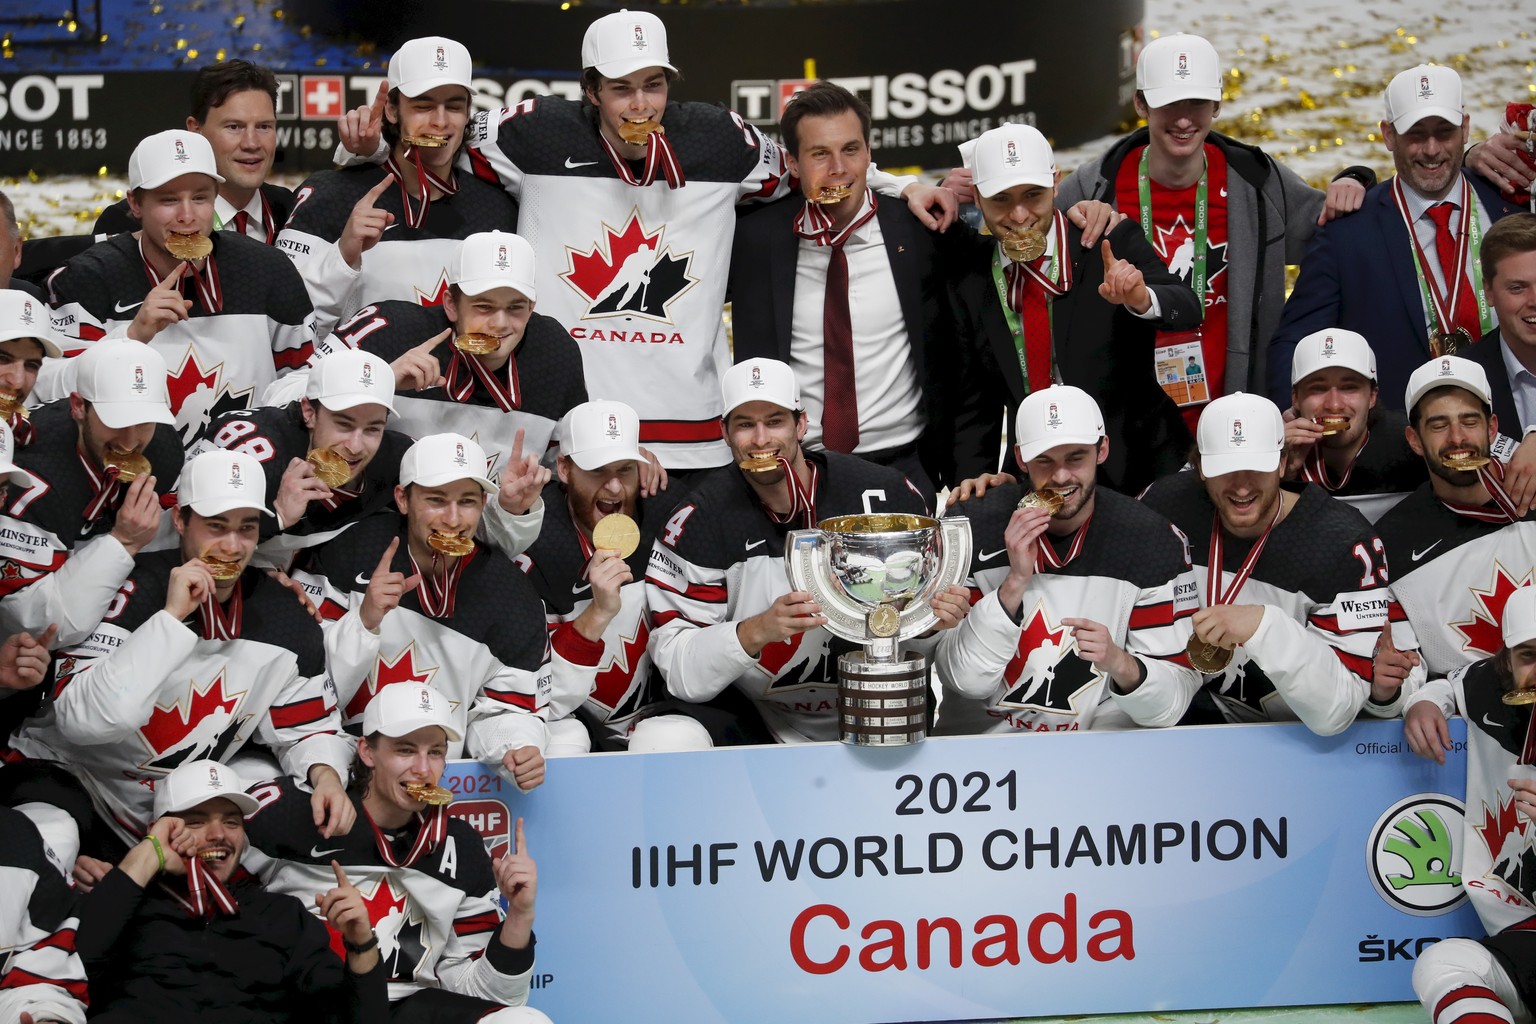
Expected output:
{"points": [[883, 559]]}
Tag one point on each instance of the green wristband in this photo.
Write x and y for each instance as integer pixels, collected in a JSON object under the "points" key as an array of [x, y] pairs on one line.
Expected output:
{"points": [[159, 850]]}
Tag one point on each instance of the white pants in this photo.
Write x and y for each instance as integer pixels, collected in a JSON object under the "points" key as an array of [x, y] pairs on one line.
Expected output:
{"points": [[1459, 973]]}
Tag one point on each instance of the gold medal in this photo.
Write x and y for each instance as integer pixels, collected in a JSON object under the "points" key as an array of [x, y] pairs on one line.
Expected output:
{"points": [[1045, 498], [884, 620], [425, 141], [130, 464], [639, 133], [11, 406], [451, 543], [330, 469], [189, 246], [1204, 657], [221, 569], [1465, 462], [1449, 343], [1024, 246], [1333, 424], [476, 344], [759, 463], [1517, 698], [427, 793], [829, 194], [616, 532]]}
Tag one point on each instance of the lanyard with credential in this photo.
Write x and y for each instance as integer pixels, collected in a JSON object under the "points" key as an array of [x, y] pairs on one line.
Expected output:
{"points": [[1052, 276], [1440, 316], [1202, 213]]}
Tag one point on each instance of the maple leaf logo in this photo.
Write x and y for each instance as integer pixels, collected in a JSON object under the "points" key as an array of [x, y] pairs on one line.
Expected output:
{"points": [[1497, 827], [1481, 632], [1045, 671], [401, 669], [177, 733], [397, 922], [189, 377], [628, 273], [614, 680], [197, 396], [1176, 245], [438, 293]]}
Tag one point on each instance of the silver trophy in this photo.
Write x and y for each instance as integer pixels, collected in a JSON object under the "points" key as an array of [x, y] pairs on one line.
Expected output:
{"points": [[874, 577]]}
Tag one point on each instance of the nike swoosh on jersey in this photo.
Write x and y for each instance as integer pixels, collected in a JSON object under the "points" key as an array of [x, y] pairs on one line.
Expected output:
{"points": [[571, 165], [1420, 554], [1490, 722], [755, 543], [987, 556], [363, 580], [577, 589], [315, 851], [120, 308]]}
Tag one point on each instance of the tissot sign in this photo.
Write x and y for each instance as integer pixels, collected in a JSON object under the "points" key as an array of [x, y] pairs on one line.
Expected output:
{"points": [[1070, 71]]}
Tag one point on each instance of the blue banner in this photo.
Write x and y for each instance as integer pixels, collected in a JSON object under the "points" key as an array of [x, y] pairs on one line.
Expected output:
{"points": [[985, 877]]}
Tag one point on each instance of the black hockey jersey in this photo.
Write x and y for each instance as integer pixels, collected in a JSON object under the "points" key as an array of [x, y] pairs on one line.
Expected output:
{"points": [[719, 559], [1385, 470]]}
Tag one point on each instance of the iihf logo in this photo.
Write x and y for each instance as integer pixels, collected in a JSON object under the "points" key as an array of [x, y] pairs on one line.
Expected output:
{"points": [[441, 62], [181, 153], [366, 380], [1237, 434], [639, 42], [458, 455], [1425, 92], [425, 701], [138, 379], [613, 426], [501, 257], [1013, 154], [234, 477], [1053, 418], [1445, 369], [1182, 71], [214, 782], [757, 377], [26, 313], [1328, 350]]}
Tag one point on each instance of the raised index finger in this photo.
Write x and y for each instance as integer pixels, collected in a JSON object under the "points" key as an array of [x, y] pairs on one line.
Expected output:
{"points": [[376, 115], [378, 190], [520, 842], [437, 339], [517, 449], [341, 876], [174, 277], [1108, 254], [389, 557]]}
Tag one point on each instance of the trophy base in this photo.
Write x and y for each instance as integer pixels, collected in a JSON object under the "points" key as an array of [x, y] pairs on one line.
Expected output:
{"points": [[882, 704]]}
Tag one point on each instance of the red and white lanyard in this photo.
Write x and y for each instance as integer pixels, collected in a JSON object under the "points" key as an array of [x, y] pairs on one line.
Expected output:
{"points": [[416, 215], [1022, 273], [659, 156], [1491, 476], [106, 488], [802, 499], [1215, 596], [814, 224], [1045, 554], [465, 369], [434, 828], [438, 594], [206, 895], [1315, 471], [216, 622]]}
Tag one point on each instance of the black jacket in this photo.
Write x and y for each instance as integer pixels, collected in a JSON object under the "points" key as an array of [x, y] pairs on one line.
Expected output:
{"points": [[1488, 353], [148, 960]]}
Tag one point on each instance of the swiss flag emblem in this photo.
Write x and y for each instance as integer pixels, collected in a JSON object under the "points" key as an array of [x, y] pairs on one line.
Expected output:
{"points": [[321, 97]]}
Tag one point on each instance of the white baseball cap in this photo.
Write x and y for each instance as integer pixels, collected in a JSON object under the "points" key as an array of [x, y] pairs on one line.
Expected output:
{"points": [[623, 42], [493, 259], [1425, 91], [22, 316], [348, 377], [170, 154], [593, 434], [1009, 155], [9, 471], [197, 782], [1061, 414], [125, 383], [669, 734], [1178, 67], [219, 480], [421, 65], [1332, 347], [1518, 622], [399, 709], [1442, 370], [1240, 432], [760, 380], [439, 459]]}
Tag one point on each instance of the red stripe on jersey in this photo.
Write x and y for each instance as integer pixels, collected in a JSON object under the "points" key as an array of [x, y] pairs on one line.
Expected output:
{"points": [[518, 700], [662, 618], [1465, 992], [575, 648], [1395, 613], [976, 595], [482, 167], [1181, 659], [305, 711], [17, 977], [1361, 667], [63, 939], [680, 431], [90, 332], [12, 580], [1149, 615], [1477, 1017], [476, 923], [329, 609], [292, 358], [706, 593]]}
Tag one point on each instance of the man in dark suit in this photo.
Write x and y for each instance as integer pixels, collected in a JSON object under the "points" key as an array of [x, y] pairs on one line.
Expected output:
{"points": [[1094, 313], [847, 290], [1381, 272], [1508, 352]]}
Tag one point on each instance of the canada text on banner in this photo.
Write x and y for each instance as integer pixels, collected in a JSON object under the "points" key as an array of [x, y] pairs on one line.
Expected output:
{"points": [[983, 877]]}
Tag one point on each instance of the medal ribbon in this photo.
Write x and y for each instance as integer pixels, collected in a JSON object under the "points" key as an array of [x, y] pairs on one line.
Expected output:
{"points": [[464, 369], [214, 623], [659, 156], [1441, 309], [1202, 215], [437, 596], [1045, 554], [106, 488], [802, 500], [206, 895], [1491, 478], [1214, 594], [1052, 273], [416, 216], [1315, 471], [434, 828], [209, 292], [341, 494], [814, 224]]}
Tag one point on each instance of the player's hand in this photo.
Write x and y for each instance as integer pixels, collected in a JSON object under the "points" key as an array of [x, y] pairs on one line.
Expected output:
{"points": [[1498, 160], [792, 614], [522, 479], [328, 802], [138, 518], [1301, 434], [361, 128], [23, 660], [922, 198], [162, 307], [951, 605], [961, 182], [343, 908], [1097, 647], [1096, 218], [1426, 732], [1344, 196], [976, 486], [177, 842], [295, 588], [419, 368], [385, 589], [298, 487], [526, 764], [653, 475], [607, 572], [1228, 625], [517, 876], [1523, 789], [1520, 477], [1123, 284], [1022, 539], [1390, 667], [366, 225], [88, 871], [191, 584]]}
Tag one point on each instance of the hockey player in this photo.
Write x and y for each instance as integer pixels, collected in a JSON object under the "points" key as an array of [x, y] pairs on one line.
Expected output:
{"points": [[336, 236], [415, 598], [1489, 979], [337, 429], [148, 690], [101, 462], [202, 940], [634, 237], [1077, 610], [1457, 545], [225, 312], [433, 894], [720, 601], [1296, 581], [1336, 436], [26, 337]]}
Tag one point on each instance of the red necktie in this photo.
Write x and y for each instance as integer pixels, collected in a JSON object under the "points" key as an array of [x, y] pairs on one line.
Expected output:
{"points": [[1465, 313], [241, 220], [1029, 300], [840, 410]]}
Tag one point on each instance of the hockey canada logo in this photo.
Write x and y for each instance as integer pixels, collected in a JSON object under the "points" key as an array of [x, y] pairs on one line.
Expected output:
{"points": [[1176, 245], [199, 396], [1046, 674], [1410, 852], [629, 273], [199, 723], [1509, 839], [1480, 632]]}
